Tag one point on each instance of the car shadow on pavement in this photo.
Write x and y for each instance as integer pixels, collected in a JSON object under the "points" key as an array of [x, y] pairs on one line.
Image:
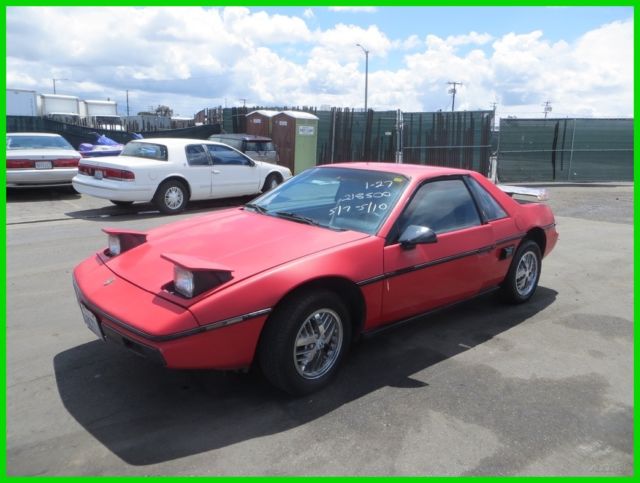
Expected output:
{"points": [[146, 414], [24, 195], [149, 210]]}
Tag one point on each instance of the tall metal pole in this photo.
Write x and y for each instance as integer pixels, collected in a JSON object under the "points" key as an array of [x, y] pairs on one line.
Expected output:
{"points": [[453, 91], [366, 75], [127, 102], [54, 83]]}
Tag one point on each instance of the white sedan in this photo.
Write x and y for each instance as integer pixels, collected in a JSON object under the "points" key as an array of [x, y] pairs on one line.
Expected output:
{"points": [[170, 172], [40, 159]]}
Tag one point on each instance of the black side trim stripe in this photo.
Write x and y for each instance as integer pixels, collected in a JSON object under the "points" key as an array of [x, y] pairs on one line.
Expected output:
{"points": [[421, 266], [510, 239]]}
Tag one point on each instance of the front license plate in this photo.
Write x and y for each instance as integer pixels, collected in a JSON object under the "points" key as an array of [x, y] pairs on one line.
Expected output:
{"points": [[92, 321], [98, 174], [44, 165]]}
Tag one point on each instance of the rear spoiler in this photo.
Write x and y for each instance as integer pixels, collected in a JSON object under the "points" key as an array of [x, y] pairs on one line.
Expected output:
{"points": [[541, 194]]}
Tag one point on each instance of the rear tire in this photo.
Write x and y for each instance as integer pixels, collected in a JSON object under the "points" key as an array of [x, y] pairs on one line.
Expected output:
{"points": [[305, 341], [272, 181], [171, 197], [123, 204], [524, 273]]}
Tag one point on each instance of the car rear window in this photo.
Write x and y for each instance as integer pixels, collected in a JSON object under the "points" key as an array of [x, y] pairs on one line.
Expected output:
{"points": [[37, 142], [145, 150]]}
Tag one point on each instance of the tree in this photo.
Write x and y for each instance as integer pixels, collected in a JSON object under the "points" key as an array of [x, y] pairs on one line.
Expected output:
{"points": [[163, 110]]}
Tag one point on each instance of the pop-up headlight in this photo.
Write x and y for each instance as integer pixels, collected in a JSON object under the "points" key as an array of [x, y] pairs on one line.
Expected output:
{"points": [[119, 241], [193, 276]]}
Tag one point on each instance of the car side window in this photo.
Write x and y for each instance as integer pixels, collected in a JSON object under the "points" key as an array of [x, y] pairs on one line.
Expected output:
{"points": [[444, 205], [489, 206], [225, 156], [196, 155]]}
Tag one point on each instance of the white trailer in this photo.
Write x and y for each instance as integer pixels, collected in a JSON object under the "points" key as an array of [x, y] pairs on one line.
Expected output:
{"points": [[102, 114], [22, 102], [60, 108]]}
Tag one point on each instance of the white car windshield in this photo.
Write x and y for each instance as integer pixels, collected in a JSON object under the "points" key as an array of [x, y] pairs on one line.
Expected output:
{"points": [[336, 198], [37, 142]]}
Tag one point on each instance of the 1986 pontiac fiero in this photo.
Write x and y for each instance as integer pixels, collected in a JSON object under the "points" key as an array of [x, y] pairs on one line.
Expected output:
{"points": [[290, 279]]}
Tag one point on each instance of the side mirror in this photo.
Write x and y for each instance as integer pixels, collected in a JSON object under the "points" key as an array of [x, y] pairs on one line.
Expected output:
{"points": [[416, 234]]}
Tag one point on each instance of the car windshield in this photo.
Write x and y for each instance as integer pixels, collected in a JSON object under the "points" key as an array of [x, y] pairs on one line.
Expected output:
{"points": [[37, 142], [145, 150], [336, 198]]}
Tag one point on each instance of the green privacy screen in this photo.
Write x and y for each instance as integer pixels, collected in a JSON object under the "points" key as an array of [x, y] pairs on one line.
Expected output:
{"points": [[456, 139], [565, 150]]}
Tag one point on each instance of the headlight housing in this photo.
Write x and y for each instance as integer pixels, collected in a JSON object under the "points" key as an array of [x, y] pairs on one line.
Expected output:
{"points": [[114, 245], [193, 276], [183, 281], [119, 241]]}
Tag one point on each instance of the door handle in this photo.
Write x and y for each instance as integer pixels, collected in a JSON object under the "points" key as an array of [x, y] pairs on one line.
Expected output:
{"points": [[215, 171]]}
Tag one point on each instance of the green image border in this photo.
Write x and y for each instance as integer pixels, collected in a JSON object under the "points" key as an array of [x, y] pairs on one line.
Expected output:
{"points": [[284, 3]]}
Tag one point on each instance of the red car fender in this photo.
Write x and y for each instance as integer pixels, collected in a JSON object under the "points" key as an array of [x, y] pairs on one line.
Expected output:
{"points": [[356, 262]]}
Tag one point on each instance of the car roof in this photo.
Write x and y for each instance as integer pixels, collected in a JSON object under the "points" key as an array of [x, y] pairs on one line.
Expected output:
{"points": [[48, 134], [246, 137], [409, 170], [173, 141]]}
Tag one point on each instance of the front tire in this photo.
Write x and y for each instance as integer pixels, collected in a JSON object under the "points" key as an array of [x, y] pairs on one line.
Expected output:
{"points": [[171, 197], [272, 181], [305, 341], [523, 276]]}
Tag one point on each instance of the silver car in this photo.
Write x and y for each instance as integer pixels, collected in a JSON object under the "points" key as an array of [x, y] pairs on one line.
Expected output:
{"points": [[40, 159], [258, 148]]}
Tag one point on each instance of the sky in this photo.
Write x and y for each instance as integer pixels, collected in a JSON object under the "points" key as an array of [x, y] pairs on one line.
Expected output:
{"points": [[578, 58]]}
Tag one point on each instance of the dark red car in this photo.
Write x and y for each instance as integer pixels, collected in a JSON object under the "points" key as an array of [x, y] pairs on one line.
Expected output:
{"points": [[290, 279]]}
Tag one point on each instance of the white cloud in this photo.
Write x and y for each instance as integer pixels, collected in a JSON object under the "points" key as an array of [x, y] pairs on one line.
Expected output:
{"points": [[308, 13], [354, 9], [193, 57]]}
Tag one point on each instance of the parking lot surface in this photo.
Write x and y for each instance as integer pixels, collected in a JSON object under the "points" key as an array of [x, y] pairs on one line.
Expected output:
{"points": [[544, 388]]}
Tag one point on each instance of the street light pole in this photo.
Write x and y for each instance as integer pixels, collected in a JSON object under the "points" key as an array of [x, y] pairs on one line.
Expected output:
{"points": [[366, 75], [54, 83]]}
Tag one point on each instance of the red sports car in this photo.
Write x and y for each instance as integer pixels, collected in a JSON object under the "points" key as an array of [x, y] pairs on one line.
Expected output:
{"points": [[290, 279]]}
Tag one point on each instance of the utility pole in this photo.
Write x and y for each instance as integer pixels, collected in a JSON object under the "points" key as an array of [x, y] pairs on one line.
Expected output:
{"points": [[54, 83], [547, 108], [494, 104], [127, 102], [244, 102], [366, 75], [453, 91]]}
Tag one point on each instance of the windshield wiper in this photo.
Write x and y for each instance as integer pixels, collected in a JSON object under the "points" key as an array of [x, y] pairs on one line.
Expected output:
{"points": [[295, 217], [258, 208]]}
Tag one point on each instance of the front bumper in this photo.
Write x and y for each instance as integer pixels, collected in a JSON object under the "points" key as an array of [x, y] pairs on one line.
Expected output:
{"points": [[159, 330]]}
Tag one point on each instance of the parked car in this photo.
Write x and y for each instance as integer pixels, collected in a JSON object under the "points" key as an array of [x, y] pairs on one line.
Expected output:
{"points": [[170, 172], [40, 159], [258, 148], [291, 278]]}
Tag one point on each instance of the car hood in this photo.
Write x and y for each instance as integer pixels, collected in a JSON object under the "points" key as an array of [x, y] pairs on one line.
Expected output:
{"points": [[51, 153], [246, 243]]}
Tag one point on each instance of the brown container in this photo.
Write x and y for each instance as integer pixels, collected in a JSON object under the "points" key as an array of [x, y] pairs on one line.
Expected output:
{"points": [[259, 122]]}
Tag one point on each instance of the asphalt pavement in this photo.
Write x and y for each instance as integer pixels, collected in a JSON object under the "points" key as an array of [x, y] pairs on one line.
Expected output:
{"points": [[544, 388]]}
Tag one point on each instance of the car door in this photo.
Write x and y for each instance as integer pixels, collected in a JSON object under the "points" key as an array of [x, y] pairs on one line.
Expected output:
{"points": [[234, 174], [452, 268], [198, 171]]}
